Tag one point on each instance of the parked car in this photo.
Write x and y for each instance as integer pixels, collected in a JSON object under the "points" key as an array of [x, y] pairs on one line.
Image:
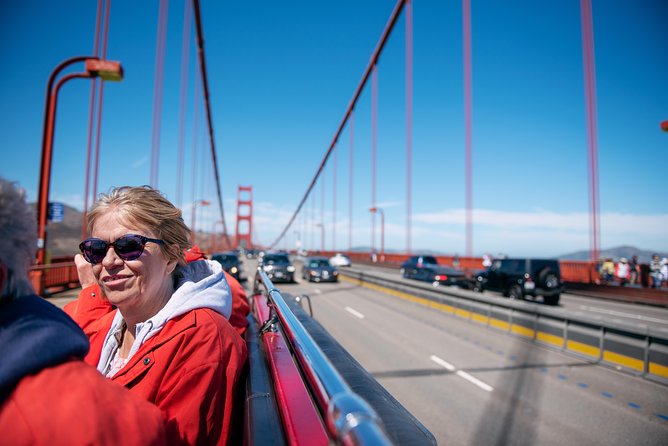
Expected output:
{"points": [[519, 277], [426, 268], [230, 263], [278, 266], [340, 260], [318, 269]]}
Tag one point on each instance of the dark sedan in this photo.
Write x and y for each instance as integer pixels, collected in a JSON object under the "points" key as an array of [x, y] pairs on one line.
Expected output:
{"points": [[278, 267], [318, 269], [230, 263], [426, 268]]}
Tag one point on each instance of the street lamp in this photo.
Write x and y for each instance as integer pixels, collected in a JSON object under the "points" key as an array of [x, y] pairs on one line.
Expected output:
{"points": [[322, 236], [373, 210], [212, 242], [104, 69], [298, 241], [194, 214]]}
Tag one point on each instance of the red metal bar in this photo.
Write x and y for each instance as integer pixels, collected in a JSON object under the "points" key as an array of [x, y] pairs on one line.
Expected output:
{"points": [[301, 420], [466, 6], [374, 139], [93, 94], [322, 213], [336, 155], [205, 87], [100, 101], [185, 58], [592, 124], [409, 120], [157, 91], [350, 182]]}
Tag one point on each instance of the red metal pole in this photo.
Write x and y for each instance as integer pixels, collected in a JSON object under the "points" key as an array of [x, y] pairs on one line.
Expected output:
{"points": [[592, 118], [47, 149], [374, 129], [467, 125], [334, 200], [350, 184], [409, 120]]}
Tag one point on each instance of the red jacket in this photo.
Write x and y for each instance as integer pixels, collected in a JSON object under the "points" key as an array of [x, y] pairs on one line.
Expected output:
{"points": [[90, 410], [190, 369]]}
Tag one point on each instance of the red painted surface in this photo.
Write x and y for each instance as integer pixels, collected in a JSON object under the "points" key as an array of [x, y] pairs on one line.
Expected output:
{"points": [[301, 421]]}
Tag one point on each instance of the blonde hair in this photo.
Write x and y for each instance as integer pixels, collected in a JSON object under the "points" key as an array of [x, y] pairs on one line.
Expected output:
{"points": [[146, 208], [18, 239]]}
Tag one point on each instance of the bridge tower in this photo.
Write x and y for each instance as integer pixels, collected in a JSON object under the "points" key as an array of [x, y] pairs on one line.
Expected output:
{"points": [[244, 217]]}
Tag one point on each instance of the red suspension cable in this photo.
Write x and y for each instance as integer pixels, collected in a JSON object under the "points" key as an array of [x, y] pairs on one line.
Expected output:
{"points": [[372, 62], [185, 58], [157, 91], [468, 125]]}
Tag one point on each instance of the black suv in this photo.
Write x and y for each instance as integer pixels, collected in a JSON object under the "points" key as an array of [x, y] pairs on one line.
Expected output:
{"points": [[517, 278]]}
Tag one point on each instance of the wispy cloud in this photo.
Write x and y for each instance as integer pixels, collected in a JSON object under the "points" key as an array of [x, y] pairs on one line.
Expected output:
{"points": [[139, 162]]}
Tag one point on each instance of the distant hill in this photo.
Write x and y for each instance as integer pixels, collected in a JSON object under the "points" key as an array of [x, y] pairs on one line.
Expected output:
{"points": [[644, 256]]}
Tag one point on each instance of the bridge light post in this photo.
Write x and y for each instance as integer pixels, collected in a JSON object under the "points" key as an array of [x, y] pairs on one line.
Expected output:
{"points": [[298, 242], [212, 241], [373, 210], [322, 236], [95, 67], [194, 214]]}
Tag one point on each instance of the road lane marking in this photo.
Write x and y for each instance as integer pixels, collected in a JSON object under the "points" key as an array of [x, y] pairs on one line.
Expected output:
{"points": [[355, 313], [442, 363], [462, 374], [472, 379]]}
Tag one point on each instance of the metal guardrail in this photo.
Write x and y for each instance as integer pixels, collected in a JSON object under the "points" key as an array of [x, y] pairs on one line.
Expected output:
{"points": [[639, 350], [349, 419]]}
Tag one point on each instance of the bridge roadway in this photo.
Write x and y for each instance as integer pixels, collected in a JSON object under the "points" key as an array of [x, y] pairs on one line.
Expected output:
{"points": [[631, 314], [471, 385]]}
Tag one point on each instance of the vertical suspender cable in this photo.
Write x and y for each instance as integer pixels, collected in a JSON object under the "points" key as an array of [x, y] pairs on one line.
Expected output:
{"points": [[592, 122], [101, 100], [185, 59], [374, 138], [336, 152], [351, 129], [195, 155], [466, 6], [205, 88], [367, 72], [322, 212], [157, 91], [91, 109], [409, 120]]}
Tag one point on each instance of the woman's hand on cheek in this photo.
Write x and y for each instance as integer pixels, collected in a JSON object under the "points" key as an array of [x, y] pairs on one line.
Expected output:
{"points": [[85, 271]]}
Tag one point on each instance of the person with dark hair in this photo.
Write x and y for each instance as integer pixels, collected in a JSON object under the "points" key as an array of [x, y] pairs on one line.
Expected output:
{"points": [[48, 395], [167, 337]]}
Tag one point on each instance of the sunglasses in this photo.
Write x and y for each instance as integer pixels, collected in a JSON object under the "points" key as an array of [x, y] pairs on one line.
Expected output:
{"points": [[127, 247]]}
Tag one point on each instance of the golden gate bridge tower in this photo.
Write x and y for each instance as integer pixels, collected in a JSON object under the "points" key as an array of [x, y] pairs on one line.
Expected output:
{"points": [[244, 218]]}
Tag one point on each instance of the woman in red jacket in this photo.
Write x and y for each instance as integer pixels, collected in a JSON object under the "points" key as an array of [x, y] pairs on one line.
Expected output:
{"points": [[169, 338]]}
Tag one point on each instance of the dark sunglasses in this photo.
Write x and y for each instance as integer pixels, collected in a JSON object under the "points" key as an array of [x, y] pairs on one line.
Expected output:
{"points": [[127, 247]]}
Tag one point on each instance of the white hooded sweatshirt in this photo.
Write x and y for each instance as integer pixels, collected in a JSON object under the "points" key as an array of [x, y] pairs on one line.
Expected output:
{"points": [[199, 284]]}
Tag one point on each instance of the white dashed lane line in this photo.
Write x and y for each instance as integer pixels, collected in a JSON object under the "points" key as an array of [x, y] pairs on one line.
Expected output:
{"points": [[355, 313], [462, 374]]}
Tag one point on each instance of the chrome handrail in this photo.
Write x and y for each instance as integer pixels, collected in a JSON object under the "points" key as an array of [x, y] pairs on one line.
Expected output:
{"points": [[348, 417]]}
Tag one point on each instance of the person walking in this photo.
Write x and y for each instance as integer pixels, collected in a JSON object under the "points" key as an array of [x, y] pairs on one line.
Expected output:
{"points": [[655, 271], [623, 271]]}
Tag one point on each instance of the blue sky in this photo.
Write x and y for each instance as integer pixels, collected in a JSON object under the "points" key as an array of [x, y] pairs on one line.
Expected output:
{"points": [[281, 75]]}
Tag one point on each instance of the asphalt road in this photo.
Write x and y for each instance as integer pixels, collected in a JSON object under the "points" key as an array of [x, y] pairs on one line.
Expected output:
{"points": [[471, 385]]}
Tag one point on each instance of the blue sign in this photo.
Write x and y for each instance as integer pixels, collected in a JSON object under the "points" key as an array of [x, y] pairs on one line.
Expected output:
{"points": [[56, 212]]}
